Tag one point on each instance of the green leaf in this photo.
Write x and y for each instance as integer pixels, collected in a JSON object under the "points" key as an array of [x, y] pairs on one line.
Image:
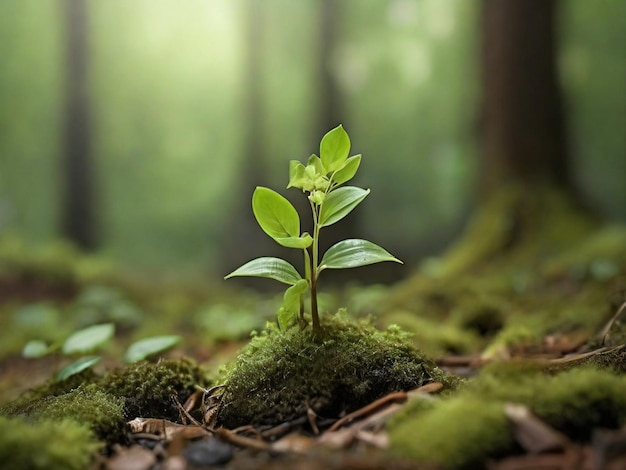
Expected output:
{"points": [[316, 162], [348, 170], [334, 149], [268, 267], [339, 203], [275, 214], [291, 298], [353, 253], [88, 339], [296, 175], [144, 348], [35, 348], [76, 367], [303, 241], [285, 318], [291, 303]]}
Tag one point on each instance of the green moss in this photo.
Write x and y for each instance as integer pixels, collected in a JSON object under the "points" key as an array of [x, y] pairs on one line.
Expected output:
{"points": [[149, 389], [434, 338], [100, 411], [30, 399], [46, 445], [578, 401], [106, 403], [457, 433], [574, 401], [278, 375]]}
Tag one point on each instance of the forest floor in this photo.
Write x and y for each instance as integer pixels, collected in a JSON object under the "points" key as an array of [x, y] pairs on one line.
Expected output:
{"points": [[523, 360]]}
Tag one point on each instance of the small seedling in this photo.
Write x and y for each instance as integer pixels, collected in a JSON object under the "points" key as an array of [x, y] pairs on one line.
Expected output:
{"points": [[91, 339], [321, 179]]}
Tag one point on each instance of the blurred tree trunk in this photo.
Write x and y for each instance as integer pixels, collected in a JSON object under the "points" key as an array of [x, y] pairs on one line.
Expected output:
{"points": [[331, 110], [523, 126], [524, 186], [78, 208], [243, 239], [331, 113]]}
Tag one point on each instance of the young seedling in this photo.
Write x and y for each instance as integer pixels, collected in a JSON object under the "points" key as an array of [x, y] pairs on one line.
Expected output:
{"points": [[321, 179]]}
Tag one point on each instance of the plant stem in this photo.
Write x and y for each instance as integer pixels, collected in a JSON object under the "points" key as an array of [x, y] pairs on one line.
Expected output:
{"points": [[314, 260], [317, 329]]}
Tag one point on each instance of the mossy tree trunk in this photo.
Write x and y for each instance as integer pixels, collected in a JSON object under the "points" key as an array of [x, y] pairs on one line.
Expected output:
{"points": [[79, 207], [524, 184]]}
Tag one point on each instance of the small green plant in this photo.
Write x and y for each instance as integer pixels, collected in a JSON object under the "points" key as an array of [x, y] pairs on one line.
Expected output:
{"points": [[322, 179], [94, 337]]}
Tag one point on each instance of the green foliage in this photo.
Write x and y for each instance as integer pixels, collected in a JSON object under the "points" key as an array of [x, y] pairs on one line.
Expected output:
{"points": [[279, 374], [320, 178], [77, 367], [46, 445], [88, 339], [147, 347], [91, 338]]}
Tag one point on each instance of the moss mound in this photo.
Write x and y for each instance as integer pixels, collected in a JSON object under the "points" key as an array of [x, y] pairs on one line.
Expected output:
{"points": [[44, 445], [88, 405], [150, 390], [105, 404], [278, 375]]}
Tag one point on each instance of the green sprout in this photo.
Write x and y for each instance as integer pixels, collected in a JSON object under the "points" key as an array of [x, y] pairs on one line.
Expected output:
{"points": [[330, 202]]}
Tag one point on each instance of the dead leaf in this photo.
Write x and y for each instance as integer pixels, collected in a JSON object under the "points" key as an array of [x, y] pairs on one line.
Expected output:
{"points": [[531, 433]]}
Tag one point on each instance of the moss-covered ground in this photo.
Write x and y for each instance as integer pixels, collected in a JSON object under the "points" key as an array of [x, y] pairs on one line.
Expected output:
{"points": [[525, 319]]}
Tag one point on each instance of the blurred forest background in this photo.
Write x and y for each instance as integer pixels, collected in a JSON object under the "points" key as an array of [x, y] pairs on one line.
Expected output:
{"points": [[139, 129]]}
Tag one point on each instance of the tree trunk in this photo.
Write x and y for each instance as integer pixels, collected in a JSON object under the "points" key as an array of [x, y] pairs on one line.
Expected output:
{"points": [[526, 201], [78, 218], [331, 113], [523, 127], [243, 239]]}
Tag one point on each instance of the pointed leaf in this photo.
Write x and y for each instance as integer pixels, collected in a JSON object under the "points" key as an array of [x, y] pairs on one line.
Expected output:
{"points": [[77, 366], [291, 298], [353, 253], [285, 318], [291, 303], [268, 267], [296, 174], [144, 348], [340, 203], [348, 170], [88, 339], [334, 149], [275, 214]]}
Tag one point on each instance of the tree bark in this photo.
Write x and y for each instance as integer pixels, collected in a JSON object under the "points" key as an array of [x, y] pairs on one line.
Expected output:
{"points": [[78, 218], [523, 124]]}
